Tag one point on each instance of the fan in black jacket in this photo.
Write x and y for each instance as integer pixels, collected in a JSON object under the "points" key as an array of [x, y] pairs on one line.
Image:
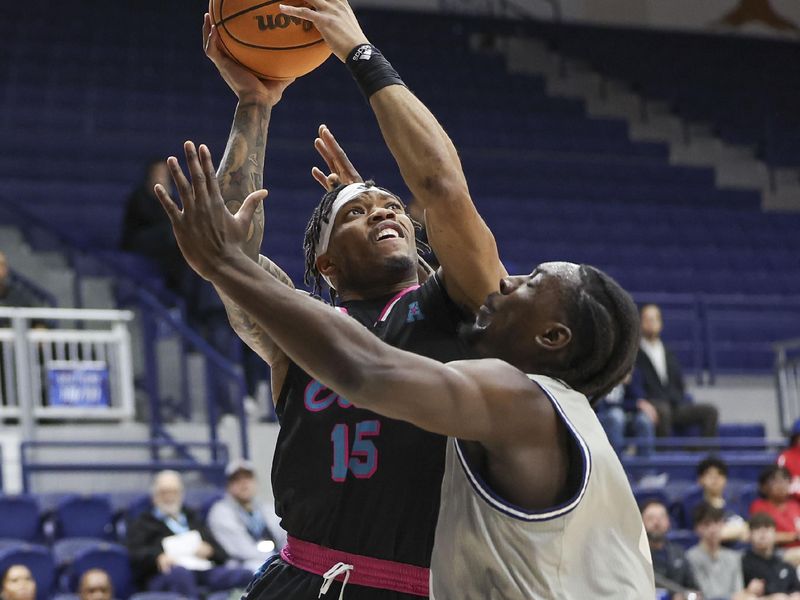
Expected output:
{"points": [[662, 381], [153, 568]]}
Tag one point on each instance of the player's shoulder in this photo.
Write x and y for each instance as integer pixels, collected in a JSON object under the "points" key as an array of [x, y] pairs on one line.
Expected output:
{"points": [[494, 374]]}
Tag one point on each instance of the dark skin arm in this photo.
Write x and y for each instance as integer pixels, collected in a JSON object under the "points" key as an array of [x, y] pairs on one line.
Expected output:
{"points": [[429, 163], [486, 401], [241, 172]]}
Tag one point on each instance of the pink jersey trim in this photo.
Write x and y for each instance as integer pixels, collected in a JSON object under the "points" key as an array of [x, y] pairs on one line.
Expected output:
{"points": [[388, 308], [367, 571]]}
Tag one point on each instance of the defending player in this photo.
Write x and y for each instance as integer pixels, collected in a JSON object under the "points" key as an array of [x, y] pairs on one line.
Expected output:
{"points": [[535, 503], [344, 479]]}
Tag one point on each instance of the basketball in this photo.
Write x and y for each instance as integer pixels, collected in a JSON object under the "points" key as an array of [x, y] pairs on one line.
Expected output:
{"points": [[266, 41]]}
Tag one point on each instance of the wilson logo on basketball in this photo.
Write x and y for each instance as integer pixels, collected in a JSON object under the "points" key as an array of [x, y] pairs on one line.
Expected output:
{"points": [[281, 21]]}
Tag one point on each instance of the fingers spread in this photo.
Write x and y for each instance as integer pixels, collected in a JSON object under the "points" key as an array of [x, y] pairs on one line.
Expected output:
{"points": [[248, 208], [208, 169], [320, 177], [181, 183], [172, 210], [196, 172]]}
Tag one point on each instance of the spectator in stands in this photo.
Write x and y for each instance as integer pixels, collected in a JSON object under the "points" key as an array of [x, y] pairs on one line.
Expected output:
{"points": [[18, 584], [790, 458], [146, 229], [718, 570], [179, 571], [662, 380], [11, 292], [760, 563], [624, 410], [95, 584], [712, 477], [773, 487], [669, 560], [249, 532]]}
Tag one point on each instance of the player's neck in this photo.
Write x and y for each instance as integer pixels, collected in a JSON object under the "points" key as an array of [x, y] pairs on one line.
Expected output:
{"points": [[374, 292]]}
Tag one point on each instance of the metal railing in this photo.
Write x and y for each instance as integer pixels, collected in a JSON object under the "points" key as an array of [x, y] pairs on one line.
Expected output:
{"points": [[65, 372], [787, 381], [162, 313], [212, 469]]}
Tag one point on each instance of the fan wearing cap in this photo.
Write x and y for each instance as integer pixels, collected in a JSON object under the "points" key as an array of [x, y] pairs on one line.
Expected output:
{"points": [[248, 530], [346, 479]]}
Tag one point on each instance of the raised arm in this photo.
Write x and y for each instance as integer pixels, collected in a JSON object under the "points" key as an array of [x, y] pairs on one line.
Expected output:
{"points": [[429, 164], [241, 172], [486, 401]]}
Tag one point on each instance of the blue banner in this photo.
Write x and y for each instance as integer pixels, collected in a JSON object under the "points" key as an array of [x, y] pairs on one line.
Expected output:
{"points": [[79, 384]]}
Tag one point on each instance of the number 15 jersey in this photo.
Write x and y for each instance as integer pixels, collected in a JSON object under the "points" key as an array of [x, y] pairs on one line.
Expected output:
{"points": [[347, 478]]}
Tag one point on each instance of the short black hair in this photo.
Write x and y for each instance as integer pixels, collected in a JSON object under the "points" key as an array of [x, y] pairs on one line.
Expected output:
{"points": [[759, 520], [770, 472], [605, 330], [322, 214], [707, 513], [712, 462], [650, 502]]}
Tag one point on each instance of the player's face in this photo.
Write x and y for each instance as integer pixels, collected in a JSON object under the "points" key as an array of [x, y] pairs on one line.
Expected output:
{"points": [[372, 241], [18, 584], [527, 306]]}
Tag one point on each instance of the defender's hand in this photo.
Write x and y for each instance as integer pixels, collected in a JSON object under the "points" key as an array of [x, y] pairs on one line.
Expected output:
{"points": [[247, 86], [207, 233], [335, 21], [340, 167]]}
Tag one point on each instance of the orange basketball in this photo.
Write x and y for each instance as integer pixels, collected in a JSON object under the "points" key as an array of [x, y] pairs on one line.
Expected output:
{"points": [[266, 41]]}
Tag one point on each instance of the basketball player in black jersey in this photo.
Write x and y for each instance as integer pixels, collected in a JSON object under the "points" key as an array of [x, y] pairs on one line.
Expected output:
{"points": [[348, 483], [520, 513]]}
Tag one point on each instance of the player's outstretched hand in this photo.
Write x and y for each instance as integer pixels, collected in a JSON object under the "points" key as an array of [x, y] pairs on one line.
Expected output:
{"points": [[335, 21], [246, 85], [207, 233], [340, 167]]}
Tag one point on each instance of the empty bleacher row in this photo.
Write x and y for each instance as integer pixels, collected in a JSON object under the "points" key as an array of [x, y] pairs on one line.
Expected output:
{"points": [[741, 86], [551, 182]]}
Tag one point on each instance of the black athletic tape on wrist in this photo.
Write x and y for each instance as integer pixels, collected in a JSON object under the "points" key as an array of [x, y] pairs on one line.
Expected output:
{"points": [[371, 70]]}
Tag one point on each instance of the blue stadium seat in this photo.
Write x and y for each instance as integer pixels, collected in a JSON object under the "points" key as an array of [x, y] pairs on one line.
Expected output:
{"points": [[111, 558], [88, 516], [40, 562], [21, 518]]}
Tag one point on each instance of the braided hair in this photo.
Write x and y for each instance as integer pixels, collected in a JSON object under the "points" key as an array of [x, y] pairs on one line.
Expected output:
{"points": [[605, 329], [322, 214]]}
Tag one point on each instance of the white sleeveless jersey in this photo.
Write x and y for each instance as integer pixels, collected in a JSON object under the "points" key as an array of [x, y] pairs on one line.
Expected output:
{"points": [[590, 547]]}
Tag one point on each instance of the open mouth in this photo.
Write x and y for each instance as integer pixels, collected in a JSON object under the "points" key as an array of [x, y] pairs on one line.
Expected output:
{"points": [[388, 231]]}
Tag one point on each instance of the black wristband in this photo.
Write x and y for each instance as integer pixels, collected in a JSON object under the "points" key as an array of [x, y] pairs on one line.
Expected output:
{"points": [[371, 70]]}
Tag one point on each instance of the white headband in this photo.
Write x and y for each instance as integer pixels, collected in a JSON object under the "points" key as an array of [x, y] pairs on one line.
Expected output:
{"points": [[349, 193]]}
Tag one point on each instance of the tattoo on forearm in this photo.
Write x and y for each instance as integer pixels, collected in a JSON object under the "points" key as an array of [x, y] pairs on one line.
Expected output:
{"points": [[242, 167], [246, 328]]}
